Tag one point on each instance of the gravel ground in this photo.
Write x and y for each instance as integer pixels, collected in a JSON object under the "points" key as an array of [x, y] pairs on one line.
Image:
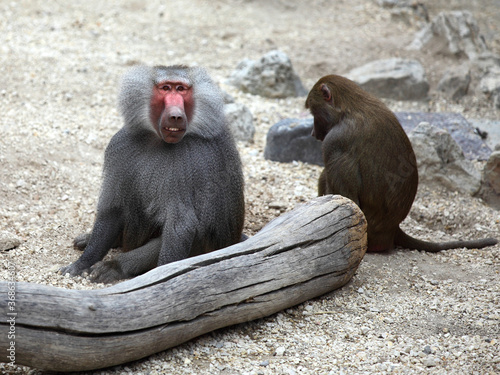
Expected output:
{"points": [[405, 312]]}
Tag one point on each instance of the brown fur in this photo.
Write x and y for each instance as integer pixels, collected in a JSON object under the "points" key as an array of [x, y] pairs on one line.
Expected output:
{"points": [[369, 159]]}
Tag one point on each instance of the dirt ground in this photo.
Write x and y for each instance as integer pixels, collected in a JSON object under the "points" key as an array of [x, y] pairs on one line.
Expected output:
{"points": [[404, 312]]}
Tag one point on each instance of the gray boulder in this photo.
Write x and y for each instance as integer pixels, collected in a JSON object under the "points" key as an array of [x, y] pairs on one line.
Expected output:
{"points": [[453, 33], [441, 161], [290, 140], [395, 78], [272, 76]]}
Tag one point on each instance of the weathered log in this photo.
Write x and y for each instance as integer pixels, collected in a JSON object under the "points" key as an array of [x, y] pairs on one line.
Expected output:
{"points": [[307, 252]]}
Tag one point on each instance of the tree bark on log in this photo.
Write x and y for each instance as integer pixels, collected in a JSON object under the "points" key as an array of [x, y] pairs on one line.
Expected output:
{"points": [[302, 254]]}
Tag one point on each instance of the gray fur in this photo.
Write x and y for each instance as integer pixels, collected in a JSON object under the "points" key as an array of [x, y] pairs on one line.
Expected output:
{"points": [[191, 192]]}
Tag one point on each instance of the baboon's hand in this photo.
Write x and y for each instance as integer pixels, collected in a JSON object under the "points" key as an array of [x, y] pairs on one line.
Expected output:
{"points": [[74, 269], [107, 272]]}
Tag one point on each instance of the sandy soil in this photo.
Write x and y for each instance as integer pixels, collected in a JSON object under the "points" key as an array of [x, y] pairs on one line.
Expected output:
{"points": [[403, 312]]}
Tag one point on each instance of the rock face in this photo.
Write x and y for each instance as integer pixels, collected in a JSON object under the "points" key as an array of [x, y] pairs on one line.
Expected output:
{"points": [[290, 140], [272, 76], [240, 120], [441, 161], [396, 78], [453, 33]]}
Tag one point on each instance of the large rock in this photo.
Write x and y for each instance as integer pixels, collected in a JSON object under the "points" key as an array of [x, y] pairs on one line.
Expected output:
{"points": [[272, 76], [441, 161], [395, 78], [462, 132], [453, 33], [290, 140]]}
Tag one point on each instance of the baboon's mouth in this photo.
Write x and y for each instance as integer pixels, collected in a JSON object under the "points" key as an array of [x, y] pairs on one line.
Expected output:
{"points": [[172, 135]]}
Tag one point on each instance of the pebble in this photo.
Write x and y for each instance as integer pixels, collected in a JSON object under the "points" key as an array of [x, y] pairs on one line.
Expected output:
{"points": [[8, 241], [430, 361], [280, 351]]}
